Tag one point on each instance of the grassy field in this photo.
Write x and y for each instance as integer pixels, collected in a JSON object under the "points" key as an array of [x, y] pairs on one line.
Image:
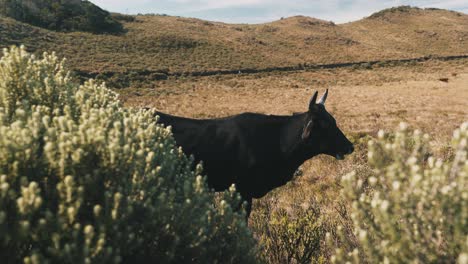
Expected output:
{"points": [[363, 101]]}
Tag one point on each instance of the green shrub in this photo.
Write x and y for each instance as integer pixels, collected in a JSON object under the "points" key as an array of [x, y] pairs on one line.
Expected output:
{"points": [[292, 235], [83, 180], [414, 208]]}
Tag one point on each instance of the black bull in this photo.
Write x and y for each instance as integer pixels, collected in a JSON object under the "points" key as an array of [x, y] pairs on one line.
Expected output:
{"points": [[258, 152]]}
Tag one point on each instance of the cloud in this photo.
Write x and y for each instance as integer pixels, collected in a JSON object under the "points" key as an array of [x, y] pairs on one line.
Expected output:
{"points": [[172, 6], [259, 11]]}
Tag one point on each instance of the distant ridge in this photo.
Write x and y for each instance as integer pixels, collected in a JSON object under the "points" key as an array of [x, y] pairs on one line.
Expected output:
{"points": [[156, 44]]}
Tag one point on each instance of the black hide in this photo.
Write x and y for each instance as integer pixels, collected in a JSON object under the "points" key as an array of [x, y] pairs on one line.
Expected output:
{"points": [[257, 152]]}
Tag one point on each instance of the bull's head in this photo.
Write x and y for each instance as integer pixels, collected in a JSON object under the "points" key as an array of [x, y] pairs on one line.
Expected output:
{"points": [[320, 130]]}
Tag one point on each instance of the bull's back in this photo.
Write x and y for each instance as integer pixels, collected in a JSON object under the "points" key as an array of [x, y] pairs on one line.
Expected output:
{"points": [[213, 142]]}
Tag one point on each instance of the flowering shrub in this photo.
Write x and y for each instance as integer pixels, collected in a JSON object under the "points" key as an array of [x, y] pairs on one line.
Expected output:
{"points": [[414, 209], [83, 180]]}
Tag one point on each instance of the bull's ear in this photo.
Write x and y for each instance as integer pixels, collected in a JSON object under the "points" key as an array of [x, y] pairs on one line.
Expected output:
{"points": [[307, 129], [312, 101]]}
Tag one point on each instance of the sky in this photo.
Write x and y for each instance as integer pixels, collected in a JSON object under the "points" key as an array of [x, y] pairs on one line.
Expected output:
{"points": [[261, 11]]}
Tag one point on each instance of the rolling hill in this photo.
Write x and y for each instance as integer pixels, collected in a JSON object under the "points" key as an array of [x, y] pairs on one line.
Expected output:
{"points": [[61, 15], [157, 43]]}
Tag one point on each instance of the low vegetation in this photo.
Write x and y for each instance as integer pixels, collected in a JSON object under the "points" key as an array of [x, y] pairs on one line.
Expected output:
{"points": [[292, 235], [62, 15], [83, 180]]}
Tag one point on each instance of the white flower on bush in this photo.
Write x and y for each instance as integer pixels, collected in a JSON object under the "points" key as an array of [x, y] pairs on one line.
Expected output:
{"points": [[83, 179], [417, 207]]}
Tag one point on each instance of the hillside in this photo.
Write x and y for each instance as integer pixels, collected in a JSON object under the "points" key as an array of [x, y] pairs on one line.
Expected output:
{"points": [[61, 15], [413, 31], [175, 44]]}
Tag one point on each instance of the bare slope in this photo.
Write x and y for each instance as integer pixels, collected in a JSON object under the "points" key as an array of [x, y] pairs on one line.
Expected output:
{"points": [[413, 32], [164, 43]]}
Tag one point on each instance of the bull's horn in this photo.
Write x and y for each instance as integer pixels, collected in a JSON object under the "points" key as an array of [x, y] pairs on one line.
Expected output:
{"points": [[312, 100], [324, 98]]}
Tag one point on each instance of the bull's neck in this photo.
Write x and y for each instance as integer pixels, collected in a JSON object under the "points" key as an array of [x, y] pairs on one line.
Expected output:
{"points": [[292, 145]]}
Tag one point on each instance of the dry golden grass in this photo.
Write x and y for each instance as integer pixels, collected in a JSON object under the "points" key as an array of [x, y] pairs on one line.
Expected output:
{"points": [[362, 100], [412, 31]]}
